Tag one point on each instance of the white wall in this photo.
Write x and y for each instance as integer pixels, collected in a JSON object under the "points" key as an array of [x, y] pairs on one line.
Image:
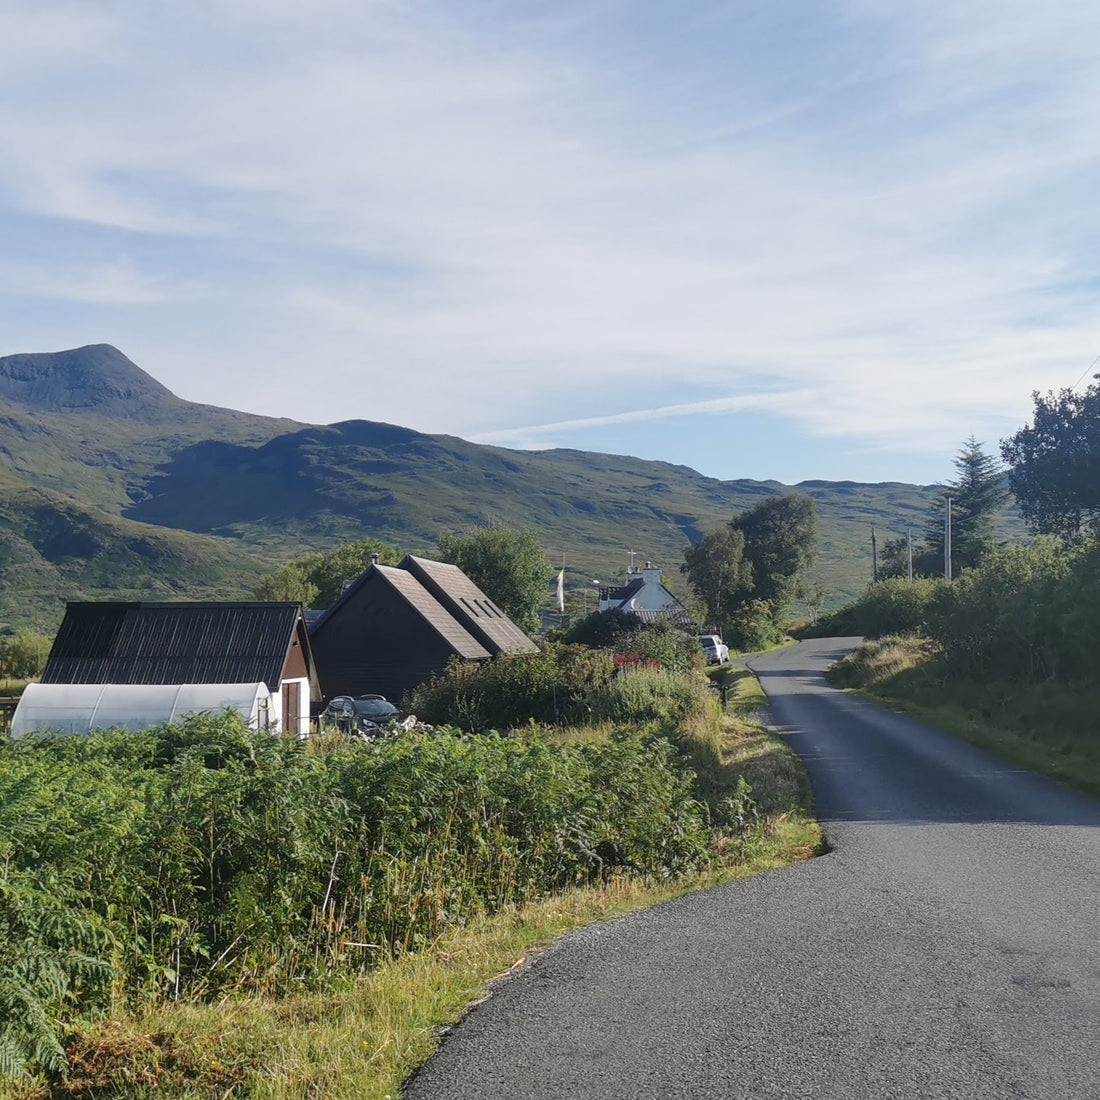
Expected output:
{"points": [[276, 713]]}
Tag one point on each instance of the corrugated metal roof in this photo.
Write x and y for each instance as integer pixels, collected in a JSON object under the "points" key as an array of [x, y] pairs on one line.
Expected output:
{"points": [[469, 605], [173, 643], [647, 615]]}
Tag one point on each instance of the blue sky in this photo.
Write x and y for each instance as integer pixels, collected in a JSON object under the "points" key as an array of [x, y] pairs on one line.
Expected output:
{"points": [[782, 240]]}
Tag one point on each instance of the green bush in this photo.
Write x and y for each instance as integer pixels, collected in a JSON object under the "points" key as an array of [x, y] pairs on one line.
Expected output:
{"points": [[203, 859], [560, 685], [753, 627], [48, 964], [1028, 612], [23, 656], [892, 606], [653, 694], [662, 641], [567, 685]]}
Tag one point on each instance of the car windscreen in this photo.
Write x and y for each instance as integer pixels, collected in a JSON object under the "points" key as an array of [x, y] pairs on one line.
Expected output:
{"points": [[374, 709]]}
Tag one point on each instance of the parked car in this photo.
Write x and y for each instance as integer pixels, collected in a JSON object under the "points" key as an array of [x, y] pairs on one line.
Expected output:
{"points": [[358, 714], [718, 653]]}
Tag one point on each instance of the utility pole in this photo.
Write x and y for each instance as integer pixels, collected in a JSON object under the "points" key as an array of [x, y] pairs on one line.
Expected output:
{"points": [[947, 537], [874, 557], [910, 538]]}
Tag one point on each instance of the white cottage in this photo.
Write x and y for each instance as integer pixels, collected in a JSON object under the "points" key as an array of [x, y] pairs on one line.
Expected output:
{"points": [[642, 594]]}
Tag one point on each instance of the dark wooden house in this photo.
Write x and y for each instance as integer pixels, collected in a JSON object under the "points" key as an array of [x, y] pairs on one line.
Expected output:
{"points": [[191, 643], [395, 627]]}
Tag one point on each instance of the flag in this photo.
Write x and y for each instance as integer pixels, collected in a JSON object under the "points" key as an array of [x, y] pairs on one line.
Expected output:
{"points": [[561, 590]]}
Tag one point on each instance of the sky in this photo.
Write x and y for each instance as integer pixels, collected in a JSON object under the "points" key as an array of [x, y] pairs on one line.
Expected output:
{"points": [[778, 239]]}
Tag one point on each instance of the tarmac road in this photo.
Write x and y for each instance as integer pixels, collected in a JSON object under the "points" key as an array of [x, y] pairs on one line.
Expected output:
{"points": [[946, 947]]}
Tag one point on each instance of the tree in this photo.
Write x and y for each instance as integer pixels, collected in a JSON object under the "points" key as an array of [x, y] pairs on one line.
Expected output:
{"points": [[977, 494], [718, 573], [1054, 464], [780, 534], [893, 558], [24, 655], [746, 573], [290, 582], [507, 564], [316, 580]]}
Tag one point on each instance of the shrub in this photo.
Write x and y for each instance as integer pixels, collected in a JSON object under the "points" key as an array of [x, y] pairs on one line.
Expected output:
{"points": [[660, 641], [653, 694], [23, 656], [203, 859], [560, 685], [892, 606]]}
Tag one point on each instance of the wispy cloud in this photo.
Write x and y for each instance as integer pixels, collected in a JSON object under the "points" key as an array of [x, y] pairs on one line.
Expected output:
{"points": [[118, 283], [876, 222]]}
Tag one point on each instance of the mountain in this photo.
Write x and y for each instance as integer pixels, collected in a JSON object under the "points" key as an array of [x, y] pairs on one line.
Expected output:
{"points": [[111, 485]]}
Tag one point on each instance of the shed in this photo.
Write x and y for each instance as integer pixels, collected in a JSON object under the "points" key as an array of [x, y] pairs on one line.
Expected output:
{"points": [[393, 628], [181, 643], [80, 708]]}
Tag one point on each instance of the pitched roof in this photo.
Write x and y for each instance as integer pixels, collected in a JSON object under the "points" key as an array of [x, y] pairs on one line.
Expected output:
{"points": [[469, 605], [174, 643], [423, 601], [623, 593]]}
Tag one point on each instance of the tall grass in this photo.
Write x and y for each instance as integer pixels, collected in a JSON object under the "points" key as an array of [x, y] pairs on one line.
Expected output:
{"points": [[1048, 727], [204, 859]]}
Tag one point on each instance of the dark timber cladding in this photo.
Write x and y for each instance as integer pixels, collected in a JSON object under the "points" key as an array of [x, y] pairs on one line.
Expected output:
{"points": [[386, 634], [181, 643]]}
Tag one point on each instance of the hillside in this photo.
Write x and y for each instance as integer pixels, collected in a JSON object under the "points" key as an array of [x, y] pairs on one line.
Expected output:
{"points": [[92, 446], [53, 549]]}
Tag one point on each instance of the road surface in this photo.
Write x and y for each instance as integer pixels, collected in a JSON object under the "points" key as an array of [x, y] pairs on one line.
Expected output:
{"points": [[947, 945]]}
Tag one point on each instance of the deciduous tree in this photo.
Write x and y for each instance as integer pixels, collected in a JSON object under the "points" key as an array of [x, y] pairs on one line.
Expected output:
{"points": [[1054, 463], [780, 543], [316, 580], [507, 564], [747, 573], [718, 573]]}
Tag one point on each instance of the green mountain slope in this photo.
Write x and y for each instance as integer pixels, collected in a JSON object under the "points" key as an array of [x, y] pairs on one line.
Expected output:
{"points": [[53, 549], [96, 454]]}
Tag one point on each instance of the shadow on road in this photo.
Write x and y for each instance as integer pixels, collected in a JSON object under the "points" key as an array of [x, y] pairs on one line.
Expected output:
{"points": [[869, 764]]}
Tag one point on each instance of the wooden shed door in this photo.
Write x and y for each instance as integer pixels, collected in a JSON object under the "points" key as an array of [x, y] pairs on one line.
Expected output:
{"points": [[291, 707]]}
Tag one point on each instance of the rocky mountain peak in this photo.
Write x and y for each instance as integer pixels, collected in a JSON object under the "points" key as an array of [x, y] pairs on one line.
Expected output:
{"points": [[97, 378]]}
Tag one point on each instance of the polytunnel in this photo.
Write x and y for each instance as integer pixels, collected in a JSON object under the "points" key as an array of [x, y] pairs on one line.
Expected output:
{"points": [[80, 708]]}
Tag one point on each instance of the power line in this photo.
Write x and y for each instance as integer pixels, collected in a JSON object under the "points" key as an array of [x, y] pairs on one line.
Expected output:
{"points": [[1087, 369]]}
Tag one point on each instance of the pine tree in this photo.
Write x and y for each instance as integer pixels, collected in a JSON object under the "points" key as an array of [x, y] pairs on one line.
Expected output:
{"points": [[977, 494]]}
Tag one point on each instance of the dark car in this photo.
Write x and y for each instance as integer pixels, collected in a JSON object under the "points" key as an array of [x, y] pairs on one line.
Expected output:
{"points": [[358, 714]]}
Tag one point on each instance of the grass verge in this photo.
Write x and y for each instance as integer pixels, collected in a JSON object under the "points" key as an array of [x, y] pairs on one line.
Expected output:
{"points": [[1047, 728], [364, 1041]]}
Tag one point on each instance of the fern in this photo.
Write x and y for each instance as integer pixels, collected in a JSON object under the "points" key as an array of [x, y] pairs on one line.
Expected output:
{"points": [[44, 954]]}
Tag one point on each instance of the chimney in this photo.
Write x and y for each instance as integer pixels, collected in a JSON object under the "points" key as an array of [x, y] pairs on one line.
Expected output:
{"points": [[374, 559]]}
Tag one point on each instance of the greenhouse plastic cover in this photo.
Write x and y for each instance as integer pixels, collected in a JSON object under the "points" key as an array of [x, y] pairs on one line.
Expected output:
{"points": [[79, 708]]}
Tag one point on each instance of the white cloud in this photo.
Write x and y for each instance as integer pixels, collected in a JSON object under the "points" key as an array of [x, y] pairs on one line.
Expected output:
{"points": [[881, 226]]}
